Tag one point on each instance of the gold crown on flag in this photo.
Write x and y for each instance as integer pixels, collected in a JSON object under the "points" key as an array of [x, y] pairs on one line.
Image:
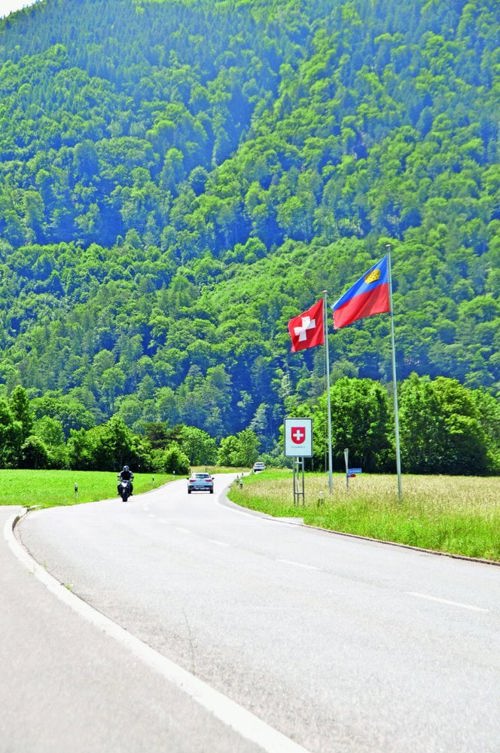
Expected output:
{"points": [[373, 276]]}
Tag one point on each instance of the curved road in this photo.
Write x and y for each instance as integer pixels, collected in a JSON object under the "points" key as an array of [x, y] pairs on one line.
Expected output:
{"points": [[336, 644]]}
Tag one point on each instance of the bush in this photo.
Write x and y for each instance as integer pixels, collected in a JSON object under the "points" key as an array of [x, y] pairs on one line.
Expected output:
{"points": [[34, 453], [175, 461]]}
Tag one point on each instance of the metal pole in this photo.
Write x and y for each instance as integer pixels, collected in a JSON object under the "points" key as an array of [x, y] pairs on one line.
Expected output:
{"points": [[295, 481], [303, 483], [394, 379], [298, 481], [328, 398]]}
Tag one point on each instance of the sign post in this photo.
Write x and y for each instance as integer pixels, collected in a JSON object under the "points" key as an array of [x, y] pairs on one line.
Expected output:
{"points": [[298, 481], [350, 472], [298, 445]]}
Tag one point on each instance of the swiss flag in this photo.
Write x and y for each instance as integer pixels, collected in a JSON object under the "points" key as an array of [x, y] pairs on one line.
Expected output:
{"points": [[307, 329]]}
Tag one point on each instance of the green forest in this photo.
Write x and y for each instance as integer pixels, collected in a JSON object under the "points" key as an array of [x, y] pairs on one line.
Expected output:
{"points": [[179, 178]]}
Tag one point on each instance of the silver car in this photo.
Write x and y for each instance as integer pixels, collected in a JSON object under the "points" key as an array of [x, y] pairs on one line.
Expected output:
{"points": [[201, 482]]}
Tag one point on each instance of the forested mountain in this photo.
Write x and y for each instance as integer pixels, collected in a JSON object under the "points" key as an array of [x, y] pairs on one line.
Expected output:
{"points": [[178, 178]]}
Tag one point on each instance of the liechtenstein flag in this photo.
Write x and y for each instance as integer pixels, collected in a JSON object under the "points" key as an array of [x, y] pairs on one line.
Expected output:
{"points": [[368, 296]]}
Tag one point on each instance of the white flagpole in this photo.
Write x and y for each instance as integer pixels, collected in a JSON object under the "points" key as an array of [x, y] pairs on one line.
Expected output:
{"points": [[394, 380], [328, 398]]}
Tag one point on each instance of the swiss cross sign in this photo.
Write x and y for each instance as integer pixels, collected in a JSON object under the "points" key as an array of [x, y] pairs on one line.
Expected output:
{"points": [[298, 434], [298, 437]]}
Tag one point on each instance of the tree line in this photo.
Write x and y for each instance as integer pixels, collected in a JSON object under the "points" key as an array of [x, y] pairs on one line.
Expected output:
{"points": [[444, 428]]}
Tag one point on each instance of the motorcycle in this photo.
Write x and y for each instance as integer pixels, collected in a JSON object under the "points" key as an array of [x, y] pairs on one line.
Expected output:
{"points": [[124, 489]]}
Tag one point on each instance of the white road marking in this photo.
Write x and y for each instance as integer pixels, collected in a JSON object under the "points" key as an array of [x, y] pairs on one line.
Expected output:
{"points": [[230, 713], [219, 543], [447, 601], [298, 564], [182, 530]]}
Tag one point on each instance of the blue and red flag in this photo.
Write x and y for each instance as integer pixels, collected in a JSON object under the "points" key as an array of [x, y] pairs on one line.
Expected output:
{"points": [[368, 296]]}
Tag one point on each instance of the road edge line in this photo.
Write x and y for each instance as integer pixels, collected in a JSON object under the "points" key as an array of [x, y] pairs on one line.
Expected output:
{"points": [[266, 516], [229, 712]]}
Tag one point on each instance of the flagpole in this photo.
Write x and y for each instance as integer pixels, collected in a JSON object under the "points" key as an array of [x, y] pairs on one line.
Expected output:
{"points": [[328, 398], [394, 379]]}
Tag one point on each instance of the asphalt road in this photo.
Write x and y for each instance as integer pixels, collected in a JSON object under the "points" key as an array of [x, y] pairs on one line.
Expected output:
{"points": [[338, 645]]}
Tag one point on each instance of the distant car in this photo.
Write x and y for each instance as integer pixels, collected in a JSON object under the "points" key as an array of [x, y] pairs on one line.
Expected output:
{"points": [[259, 466], [200, 482]]}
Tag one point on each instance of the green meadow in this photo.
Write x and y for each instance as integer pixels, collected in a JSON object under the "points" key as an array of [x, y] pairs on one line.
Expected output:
{"points": [[453, 514], [51, 488]]}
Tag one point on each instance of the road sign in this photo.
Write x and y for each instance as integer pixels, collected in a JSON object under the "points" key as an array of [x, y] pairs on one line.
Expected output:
{"points": [[298, 437]]}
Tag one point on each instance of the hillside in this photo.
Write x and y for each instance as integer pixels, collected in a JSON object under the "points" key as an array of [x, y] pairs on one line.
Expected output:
{"points": [[179, 178]]}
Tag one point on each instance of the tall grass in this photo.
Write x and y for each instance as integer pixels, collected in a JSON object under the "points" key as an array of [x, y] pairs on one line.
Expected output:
{"points": [[457, 515], [51, 488]]}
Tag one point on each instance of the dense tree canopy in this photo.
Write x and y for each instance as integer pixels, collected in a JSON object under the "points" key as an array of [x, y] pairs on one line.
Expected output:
{"points": [[444, 427], [180, 177]]}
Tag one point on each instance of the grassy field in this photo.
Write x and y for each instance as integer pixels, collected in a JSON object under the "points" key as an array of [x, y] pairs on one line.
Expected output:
{"points": [[457, 515], [51, 488]]}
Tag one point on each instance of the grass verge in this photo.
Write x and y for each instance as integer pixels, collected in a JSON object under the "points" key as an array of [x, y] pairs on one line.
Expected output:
{"points": [[453, 514], [53, 488]]}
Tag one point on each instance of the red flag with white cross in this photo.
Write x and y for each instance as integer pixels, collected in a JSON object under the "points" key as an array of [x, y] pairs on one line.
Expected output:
{"points": [[307, 329]]}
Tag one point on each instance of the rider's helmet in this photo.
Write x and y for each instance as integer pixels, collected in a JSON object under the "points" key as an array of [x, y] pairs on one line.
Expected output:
{"points": [[125, 468]]}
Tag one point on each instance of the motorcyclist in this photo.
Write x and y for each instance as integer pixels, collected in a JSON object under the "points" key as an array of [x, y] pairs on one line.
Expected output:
{"points": [[125, 475]]}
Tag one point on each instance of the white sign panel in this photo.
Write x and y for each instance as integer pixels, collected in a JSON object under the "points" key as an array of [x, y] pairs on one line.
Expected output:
{"points": [[298, 437]]}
